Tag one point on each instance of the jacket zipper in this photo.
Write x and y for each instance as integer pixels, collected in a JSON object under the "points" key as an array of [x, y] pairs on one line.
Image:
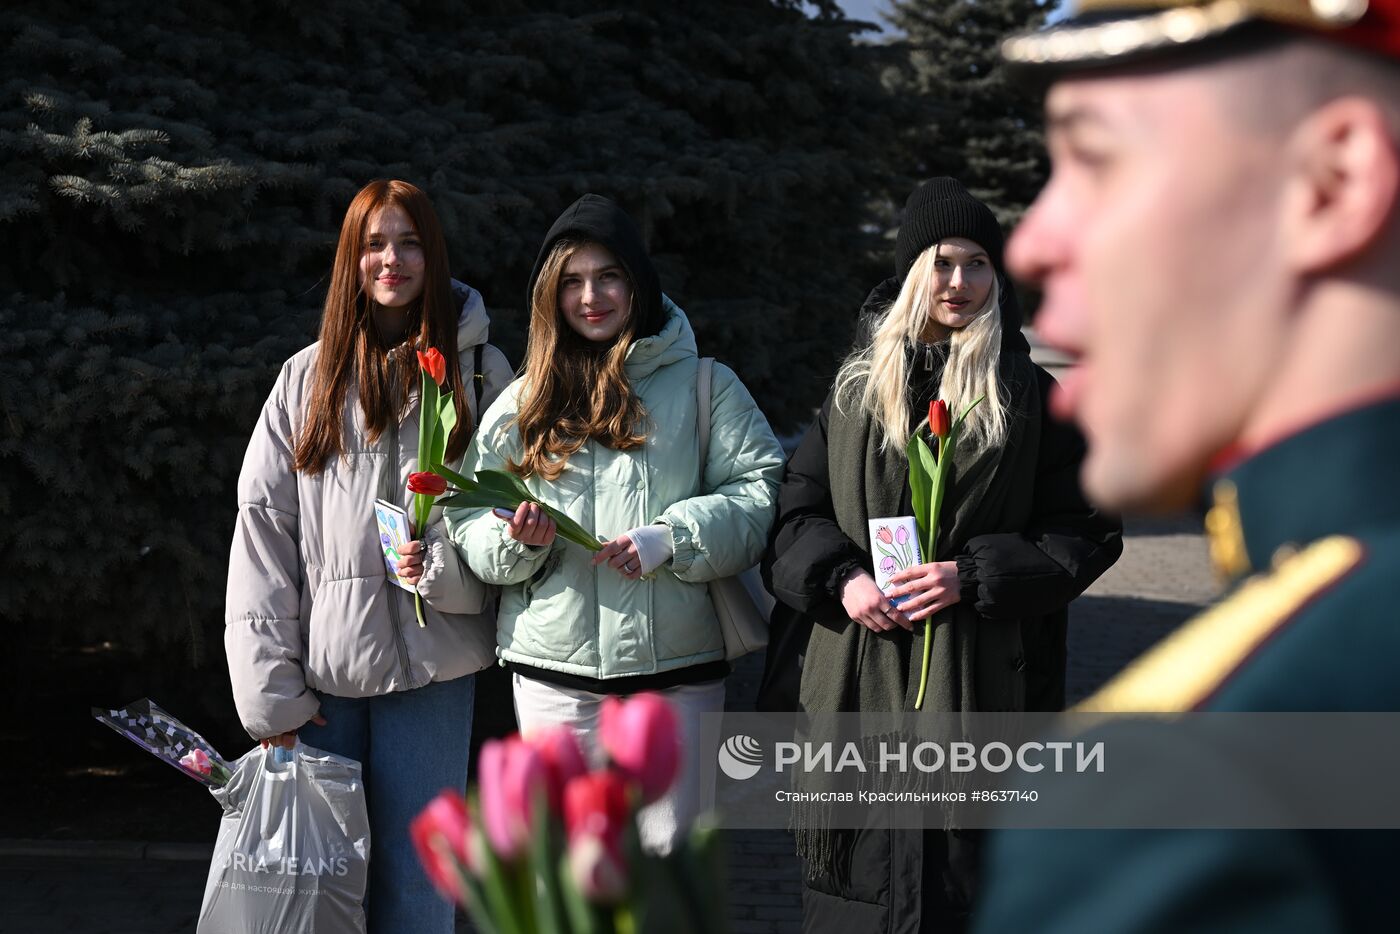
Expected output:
{"points": [[392, 476]]}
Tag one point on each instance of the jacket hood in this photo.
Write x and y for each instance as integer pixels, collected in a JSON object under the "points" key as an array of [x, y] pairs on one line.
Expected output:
{"points": [[673, 343], [473, 324], [600, 220], [887, 291]]}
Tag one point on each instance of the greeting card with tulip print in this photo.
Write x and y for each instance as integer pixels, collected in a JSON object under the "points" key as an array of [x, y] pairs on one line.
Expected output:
{"points": [[392, 521], [894, 544]]}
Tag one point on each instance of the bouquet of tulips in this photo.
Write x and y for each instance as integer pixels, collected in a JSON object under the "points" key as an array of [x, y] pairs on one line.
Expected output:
{"points": [[547, 845], [489, 489], [928, 478]]}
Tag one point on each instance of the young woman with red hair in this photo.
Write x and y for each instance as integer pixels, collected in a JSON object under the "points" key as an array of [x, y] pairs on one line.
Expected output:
{"points": [[321, 645]]}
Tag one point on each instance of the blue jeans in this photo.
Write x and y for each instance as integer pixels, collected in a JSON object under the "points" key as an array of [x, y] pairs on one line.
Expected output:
{"points": [[411, 744]]}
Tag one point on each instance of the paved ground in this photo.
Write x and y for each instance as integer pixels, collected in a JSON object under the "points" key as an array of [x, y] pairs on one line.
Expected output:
{"points": [[1162, 578]]}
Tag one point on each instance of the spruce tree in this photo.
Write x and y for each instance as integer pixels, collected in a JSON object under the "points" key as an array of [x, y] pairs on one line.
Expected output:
{"points": [[978, 126], [172, 179]]}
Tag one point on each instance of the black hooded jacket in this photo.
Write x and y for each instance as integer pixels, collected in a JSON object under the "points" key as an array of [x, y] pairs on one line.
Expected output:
{"points": [[600, 220]]}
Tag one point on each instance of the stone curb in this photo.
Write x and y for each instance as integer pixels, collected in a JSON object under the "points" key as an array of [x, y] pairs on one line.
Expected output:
{"points": [[107, 849]]}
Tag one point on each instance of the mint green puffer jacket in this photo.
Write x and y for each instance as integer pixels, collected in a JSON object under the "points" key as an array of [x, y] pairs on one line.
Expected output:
{"points": [[560, 612]]}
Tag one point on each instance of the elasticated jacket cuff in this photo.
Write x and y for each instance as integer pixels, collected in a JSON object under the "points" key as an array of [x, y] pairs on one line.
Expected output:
{"points": [[967, 577], [839, 574]]}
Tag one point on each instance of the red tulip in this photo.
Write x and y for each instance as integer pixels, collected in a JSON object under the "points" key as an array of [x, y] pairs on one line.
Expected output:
{"points": [[429, 484], [596, 815], [512, 773], [938, 418], [595, 804], [563, 760], [433, 364], [440, 833], [642, 738], [884, 535]]}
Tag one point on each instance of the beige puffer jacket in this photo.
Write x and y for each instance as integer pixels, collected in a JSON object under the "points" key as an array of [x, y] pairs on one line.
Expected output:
{"points": [[309, 607]]}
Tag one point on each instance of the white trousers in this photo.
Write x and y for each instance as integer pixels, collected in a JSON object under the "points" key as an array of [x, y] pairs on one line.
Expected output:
{"points": [[666, 821]]}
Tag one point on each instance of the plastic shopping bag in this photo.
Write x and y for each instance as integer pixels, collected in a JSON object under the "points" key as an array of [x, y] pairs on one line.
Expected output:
{"points": [[292, 855]]}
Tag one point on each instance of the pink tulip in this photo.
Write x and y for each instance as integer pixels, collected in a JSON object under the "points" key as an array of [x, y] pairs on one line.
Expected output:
{"points": [[887, 566], [901, 535], [512, 773], [440, 833], [563, 760], [642, 738], [596, 816], [197, 760], [883, 534]]}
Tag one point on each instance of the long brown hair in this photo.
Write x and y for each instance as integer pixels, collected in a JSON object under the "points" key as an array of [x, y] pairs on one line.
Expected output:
{"points": [[352, 349], [573, 389]]}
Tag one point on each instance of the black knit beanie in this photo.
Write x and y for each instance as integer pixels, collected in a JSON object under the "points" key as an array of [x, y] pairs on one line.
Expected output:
{"points": [[942, 208]]}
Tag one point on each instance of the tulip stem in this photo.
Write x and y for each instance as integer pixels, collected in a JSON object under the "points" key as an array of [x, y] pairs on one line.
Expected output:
{"points": [[623, 921], [940, 479]]}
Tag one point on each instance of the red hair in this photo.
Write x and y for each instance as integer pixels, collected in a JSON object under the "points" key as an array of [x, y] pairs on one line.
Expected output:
{"points": [[352, 349]]}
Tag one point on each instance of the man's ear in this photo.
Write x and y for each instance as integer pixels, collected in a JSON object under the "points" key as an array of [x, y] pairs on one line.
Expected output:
{"points": [[1344, 185]]}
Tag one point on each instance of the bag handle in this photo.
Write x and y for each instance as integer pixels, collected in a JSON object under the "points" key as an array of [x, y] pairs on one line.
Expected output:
{"points": [[702, 410]]}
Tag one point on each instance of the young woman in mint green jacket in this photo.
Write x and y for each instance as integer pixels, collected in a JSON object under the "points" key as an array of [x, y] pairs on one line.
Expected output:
{"points": [[603, 425]]}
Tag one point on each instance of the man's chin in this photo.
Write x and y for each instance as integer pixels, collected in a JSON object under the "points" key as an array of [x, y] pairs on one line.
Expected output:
{"points": [[1127, 485]]}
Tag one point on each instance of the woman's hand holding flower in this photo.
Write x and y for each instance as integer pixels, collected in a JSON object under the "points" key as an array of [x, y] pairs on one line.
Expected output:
{"points": [[928, 587], [410, 566], [865, 604], [531, 525]]}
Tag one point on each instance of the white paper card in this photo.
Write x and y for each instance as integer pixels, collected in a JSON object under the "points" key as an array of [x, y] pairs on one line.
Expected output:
{"points": [[894, 545], [393, 535]]}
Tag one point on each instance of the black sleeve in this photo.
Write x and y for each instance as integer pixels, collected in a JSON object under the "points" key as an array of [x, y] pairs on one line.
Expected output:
{"points": [[1064, 548], [808, 554]]}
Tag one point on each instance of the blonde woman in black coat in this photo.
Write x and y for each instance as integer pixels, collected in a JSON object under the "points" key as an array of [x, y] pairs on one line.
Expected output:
{"points": [[1017, 544]]}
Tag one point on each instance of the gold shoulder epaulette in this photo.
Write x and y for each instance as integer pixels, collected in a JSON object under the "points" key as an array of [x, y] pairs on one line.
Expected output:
{"points": [[1188, 665]]}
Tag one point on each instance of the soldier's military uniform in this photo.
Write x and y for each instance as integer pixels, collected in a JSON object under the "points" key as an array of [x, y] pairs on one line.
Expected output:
{"points": [[1306, 533], [1309, 531]]}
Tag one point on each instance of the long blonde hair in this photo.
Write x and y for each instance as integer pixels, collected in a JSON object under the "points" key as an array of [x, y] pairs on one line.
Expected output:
{"points": [[875, 377]]}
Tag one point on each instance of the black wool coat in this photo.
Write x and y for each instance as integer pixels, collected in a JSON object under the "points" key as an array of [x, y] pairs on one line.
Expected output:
{"points": [[1029, 574]]}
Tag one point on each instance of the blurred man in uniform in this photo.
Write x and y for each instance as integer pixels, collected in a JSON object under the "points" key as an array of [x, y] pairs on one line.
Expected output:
{"points": [[1219, 247]]}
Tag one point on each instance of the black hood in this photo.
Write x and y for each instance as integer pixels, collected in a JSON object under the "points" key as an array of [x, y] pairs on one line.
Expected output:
{"points": [[887, 291], [600, 220]]}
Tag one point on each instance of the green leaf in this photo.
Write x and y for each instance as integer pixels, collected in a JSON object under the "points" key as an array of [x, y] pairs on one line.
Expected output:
{"points": [[571, 530], [504, 480], [705, 866], [451, 476], [549, 907], [491, 479], [584, 917], [446, 421], [958, 422], [427, 423], [922, 468], [940, 483], [479, 499], [476, 905]]}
